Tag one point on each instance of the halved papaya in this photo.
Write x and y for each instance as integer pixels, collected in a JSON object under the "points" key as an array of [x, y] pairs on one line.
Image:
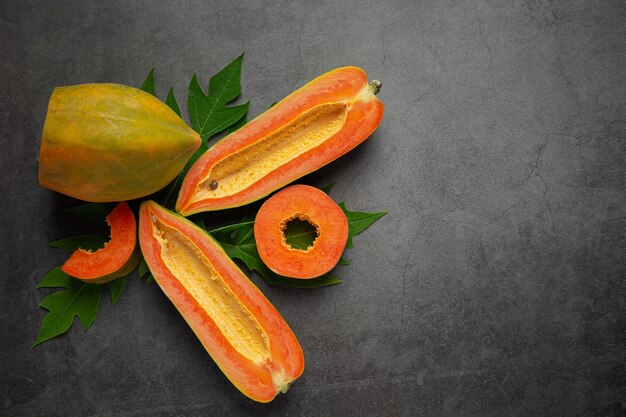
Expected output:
{"points": [[117, 258], [245, 335], [308, 129], [306, 204], [110, 142]]}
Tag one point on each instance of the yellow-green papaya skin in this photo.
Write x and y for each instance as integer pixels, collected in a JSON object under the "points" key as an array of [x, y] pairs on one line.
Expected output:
{"points": [[110, 142]]}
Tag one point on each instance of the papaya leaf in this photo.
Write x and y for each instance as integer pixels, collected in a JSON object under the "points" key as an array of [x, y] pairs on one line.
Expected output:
{"points": [[217, 233], [95, 212], [144, 271], [143, 268], [300, 234], [54, 279], [78, 299], [328, 187], [148, 83], [91, 242], [238, 242], [248, 254], [116, 287], [238, 125], [149, 87], [170, 100], [210, 114], [358, 221]]}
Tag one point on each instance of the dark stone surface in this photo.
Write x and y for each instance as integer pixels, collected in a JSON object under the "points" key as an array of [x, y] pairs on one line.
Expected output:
{"points": [[494, 287]]}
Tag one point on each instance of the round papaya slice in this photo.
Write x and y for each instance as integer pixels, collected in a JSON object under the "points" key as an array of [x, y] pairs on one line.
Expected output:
{"points": [[303, 203], [117, 258]]}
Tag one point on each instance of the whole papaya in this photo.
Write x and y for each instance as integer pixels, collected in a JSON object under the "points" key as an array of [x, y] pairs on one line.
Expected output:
{"points": [[110, 142]]}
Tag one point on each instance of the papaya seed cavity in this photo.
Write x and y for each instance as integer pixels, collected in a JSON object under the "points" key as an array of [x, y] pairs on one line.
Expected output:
{"points": [[299, 225]]}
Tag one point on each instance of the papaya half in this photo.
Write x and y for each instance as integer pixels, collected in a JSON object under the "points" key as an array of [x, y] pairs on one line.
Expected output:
{"points": [[119, 256], [245, 335], [311, 127], [110, 142], [306, 204]]}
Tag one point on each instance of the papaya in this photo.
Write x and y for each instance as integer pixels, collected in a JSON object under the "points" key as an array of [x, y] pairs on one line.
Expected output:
{"points": [[110, 142], [306, 204], [308, 129], [244, 334], [119, 256]]}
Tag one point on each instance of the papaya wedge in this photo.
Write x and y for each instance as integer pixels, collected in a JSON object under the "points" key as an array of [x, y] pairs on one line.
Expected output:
{"points": [[119, 256], [308, 129], [248, 339]]}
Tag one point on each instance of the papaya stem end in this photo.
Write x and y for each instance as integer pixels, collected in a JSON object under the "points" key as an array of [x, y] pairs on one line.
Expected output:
{"points": [[376, 85]]}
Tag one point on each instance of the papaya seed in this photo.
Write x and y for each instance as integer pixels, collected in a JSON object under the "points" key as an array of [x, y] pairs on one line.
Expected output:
{"points": [[213, 185]]}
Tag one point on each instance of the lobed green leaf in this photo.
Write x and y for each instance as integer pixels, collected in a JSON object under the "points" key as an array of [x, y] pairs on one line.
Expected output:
{"points": [[79, 299], [91, 242], [148, 83], [95, 212], [358, 221]]}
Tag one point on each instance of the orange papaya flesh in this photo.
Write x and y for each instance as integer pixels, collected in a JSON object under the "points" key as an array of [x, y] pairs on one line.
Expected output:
{"points": [[247, 338], [308, 129], [110, 142], [309, 204], [119, 256]]}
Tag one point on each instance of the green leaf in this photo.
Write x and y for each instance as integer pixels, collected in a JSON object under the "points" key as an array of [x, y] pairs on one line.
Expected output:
{"points": [[143, 268], [144, 271], [245, 224], [327, 188], [300, 234], [170, 100], [238, 242], [343, 261], [248, 254], [95, 212], [91, 242], [78, 299], [358, 221], [148, 83], [323, 281], [209, 114], [238, 125], [54, 279], [116, 287]]}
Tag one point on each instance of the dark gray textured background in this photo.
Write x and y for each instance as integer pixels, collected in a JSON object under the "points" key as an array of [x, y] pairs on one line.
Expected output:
{"points": [[494, 287]]}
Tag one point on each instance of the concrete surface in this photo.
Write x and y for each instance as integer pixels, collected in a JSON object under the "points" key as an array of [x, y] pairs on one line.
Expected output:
{"points": [[495, 285]]}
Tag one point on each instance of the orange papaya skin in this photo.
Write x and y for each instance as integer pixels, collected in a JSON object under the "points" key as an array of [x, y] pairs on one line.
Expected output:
{"points": [[309, 204], [117, 258], [308, 129], [247, 338], [110, 142]]}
